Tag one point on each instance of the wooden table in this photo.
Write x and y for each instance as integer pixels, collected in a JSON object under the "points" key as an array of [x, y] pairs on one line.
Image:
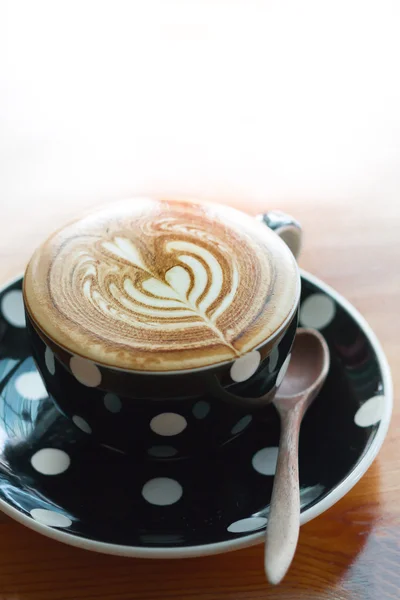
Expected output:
{"points": [[253, 104]]}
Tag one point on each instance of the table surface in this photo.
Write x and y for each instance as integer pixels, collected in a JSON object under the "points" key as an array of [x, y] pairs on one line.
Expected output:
{"points": [[253, 104]]}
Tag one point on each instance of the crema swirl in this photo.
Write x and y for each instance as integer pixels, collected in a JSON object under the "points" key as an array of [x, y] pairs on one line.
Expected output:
{"points": [[160, 285]]}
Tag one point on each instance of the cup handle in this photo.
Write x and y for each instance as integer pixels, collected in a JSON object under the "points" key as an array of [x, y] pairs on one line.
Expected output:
{"points": [[288, 229]]}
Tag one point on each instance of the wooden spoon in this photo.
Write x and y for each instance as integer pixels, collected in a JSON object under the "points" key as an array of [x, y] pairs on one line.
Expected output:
{"points": [[308, 368]]}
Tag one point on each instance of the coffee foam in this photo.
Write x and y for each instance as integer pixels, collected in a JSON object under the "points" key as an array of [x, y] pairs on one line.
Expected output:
{"points": [[159, 285]]}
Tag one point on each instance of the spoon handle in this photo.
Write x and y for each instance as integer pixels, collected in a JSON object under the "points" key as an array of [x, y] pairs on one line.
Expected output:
{"points": [[284, 516]]}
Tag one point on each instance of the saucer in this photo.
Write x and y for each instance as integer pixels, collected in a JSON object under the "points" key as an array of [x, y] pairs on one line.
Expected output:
{"points": [[55, 481]]}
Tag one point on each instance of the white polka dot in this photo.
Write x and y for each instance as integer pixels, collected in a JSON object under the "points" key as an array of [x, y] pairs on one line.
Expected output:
{"points": [[162, 451], [51, 518], [12, 308], [241, 424], [245, 366], [250, 524], [85, 371], [370, 412], [201, 409], [168, 424], [283, 370], [317, 311], [50, 461], [30, 386], [273, 360], [162, 491], [82, 424], [49, 360], [112, 403], [264, 461]]}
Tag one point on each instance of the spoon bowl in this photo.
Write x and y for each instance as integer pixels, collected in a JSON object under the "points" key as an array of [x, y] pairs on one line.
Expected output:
{"points": [[308, 367]]}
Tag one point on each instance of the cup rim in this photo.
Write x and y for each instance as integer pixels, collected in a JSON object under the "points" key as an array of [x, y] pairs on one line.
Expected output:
{"points": [[81, 352]]}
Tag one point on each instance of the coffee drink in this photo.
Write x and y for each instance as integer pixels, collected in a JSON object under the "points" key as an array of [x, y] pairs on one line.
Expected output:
{"points": [[161, 326], [160, 285]]}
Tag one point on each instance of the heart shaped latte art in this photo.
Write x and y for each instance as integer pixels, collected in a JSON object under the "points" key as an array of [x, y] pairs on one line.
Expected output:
{"points": [[189, 294]]}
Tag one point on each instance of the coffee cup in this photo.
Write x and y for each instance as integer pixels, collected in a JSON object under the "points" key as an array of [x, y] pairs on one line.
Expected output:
{"points": [[164, 327]]}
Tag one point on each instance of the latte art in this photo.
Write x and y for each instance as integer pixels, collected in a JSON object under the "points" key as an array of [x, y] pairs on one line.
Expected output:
{"points": [[190, 294], [157, 285]]}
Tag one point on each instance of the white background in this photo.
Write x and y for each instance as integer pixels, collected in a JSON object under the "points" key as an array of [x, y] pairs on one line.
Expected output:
{"points": [[283, 104]]}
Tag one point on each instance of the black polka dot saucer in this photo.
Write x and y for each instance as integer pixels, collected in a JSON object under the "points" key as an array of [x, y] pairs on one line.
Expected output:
{"points": [[55, 480]]}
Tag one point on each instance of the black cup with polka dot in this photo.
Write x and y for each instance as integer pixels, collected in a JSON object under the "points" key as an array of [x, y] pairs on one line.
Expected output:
{"points": [[169, 415], [166, 415]]}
